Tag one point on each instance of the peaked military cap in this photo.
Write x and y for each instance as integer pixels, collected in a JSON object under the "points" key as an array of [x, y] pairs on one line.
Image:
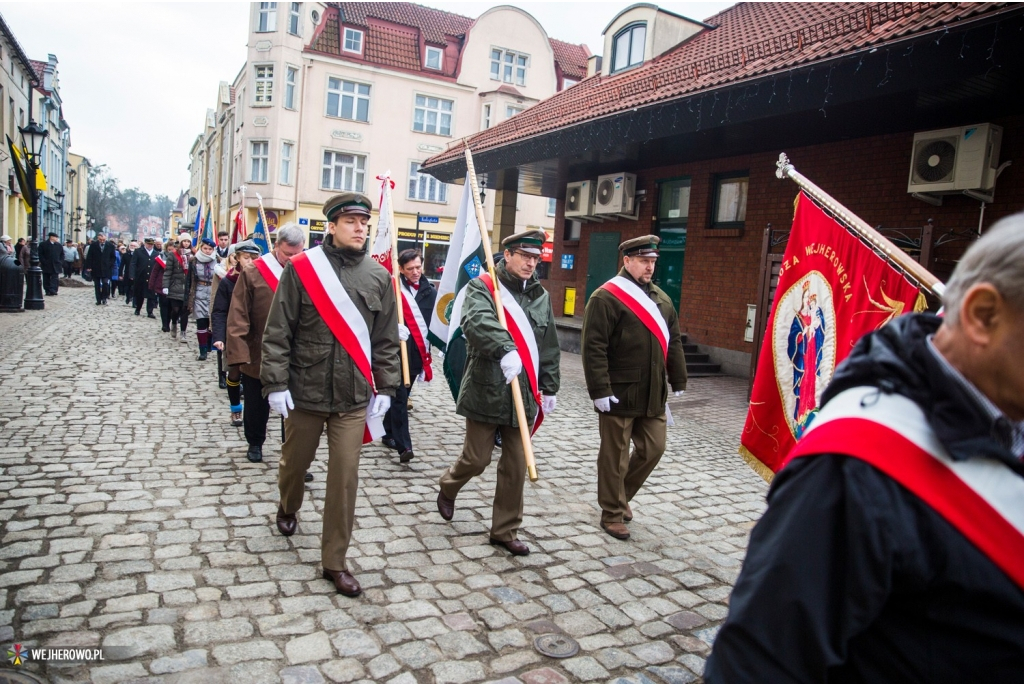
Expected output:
{"points": [[347, 203], [150, 241], [644, 246], [529, 241], [245, 246]]}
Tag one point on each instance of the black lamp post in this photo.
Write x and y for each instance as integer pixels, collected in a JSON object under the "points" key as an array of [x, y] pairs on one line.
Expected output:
{"points": [[34, 135]]}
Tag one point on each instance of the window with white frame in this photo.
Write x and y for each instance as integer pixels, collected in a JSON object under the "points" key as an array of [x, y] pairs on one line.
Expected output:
{"points": [[433, 60], [291, 76], [264, 90], [294, 18], [552, 206], [287, 150], [568, 83], [259, 155], [511, 111], [425, 187], [266, 17], [486, 119], [348, 100], [353, 41], [432, 115], [343, 171], [509, 66]]}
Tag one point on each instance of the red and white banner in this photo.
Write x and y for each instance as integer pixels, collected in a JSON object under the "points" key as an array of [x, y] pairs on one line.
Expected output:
{"points": [[832, 290], [638, 302], [380, 251], [979, 497], [526, 342], [344, 319], [239, 232], [271, 269], [417, 329]]}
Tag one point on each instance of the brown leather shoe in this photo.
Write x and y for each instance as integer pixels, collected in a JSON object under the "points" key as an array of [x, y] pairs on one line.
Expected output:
{"points": [[517, 547], [445, 507], [628, 516], [286, 523], [344, 582], [616, 530]]}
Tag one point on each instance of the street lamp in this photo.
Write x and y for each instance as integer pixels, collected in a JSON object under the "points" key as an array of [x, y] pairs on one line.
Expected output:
{"points": [[34, 136]]}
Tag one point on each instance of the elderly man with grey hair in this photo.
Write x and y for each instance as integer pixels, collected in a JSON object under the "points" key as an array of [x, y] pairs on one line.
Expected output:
{"points": [[892, 548]]}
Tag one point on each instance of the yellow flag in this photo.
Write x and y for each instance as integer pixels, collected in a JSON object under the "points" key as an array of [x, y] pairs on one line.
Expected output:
{"points": [[40, 181]]}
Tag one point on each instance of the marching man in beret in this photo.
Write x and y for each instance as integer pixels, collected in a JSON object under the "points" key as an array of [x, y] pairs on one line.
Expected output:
{"points": [[330, 357], [631, 350], [494, 361]]}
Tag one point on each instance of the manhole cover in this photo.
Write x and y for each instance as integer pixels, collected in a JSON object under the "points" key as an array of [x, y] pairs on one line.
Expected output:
{"points": [[8, 676], [556, 646]]}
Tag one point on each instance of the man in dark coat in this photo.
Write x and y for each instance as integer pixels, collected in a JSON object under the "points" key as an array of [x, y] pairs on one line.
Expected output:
{"points": [[414, 283], [142, 265], [51, 261], [100, 262], [892, 546]]}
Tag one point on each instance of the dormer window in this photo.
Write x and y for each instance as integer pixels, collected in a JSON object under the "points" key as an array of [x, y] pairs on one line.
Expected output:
{"points": [[353, 41], [628, 50], [433, 60]]}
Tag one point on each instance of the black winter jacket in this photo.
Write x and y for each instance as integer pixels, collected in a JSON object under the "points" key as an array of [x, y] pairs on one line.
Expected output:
{"points": [[100, 259], [851, 578]]}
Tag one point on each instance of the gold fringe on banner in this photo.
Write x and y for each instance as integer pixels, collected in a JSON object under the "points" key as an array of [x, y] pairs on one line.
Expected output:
{"points": [[755, 463], [921, 304]]}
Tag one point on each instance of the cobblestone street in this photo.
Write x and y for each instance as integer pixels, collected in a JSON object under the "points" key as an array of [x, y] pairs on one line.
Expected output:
{"points": [[131, 518]]}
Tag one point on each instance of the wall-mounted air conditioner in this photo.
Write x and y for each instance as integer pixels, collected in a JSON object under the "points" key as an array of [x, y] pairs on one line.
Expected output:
{"points": [[579, 198], [953, 160], [615, 194]]}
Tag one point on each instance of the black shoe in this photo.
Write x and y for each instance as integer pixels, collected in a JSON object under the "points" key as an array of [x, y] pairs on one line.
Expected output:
{"points": [[389, 442], [165, 330], [308, 478], [138, 313], [406, 456], [255, 454], [222, 382], [497, 438], [202, 355], [151, 315]]}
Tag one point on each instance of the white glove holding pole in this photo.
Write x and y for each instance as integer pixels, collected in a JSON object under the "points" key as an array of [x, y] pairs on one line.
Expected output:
{"points": [[380, 407], [281, 402], [403, 332], [547, 403], [511, 366], [604, 404]]}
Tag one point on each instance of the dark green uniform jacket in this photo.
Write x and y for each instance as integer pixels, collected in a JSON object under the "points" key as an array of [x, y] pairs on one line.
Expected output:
{"points": [[622, 358], [484, 396], [302, 355]]}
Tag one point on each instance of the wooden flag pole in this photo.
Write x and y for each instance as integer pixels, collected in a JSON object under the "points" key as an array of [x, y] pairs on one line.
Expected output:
{"points": [[395, 277], [517, 393], [880, 243]]}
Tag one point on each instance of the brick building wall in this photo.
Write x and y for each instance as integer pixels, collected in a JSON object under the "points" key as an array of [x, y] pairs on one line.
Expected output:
{"points": [[721, 268]]}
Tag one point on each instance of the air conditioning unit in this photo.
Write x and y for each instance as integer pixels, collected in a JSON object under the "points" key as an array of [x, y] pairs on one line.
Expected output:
{"points": [[952, 160], [615, 194], [579, 198]]}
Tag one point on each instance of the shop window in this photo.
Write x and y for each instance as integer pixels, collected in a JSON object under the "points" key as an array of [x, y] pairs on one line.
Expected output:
{"points": [[674, 203]]}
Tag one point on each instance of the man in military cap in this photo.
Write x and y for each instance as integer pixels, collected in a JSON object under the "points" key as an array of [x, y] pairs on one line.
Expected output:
{"points": [[330, 357], [631, 350], [492, 357]]}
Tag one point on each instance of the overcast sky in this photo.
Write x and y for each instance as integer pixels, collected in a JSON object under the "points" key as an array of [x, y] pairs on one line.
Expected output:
{"points": [[137, 78]]}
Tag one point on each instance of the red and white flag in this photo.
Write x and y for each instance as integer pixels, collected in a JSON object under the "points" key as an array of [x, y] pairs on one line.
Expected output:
{"points": [[380, 251], [239, 232], [344, 319]]}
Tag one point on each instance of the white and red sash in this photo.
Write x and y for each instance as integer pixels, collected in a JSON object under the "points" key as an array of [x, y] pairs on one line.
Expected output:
{"points": [[160, 260], [418, 332], [637, 301], [981, 498], [182, 261], [521, 330], [344, 319], [271, 269]]}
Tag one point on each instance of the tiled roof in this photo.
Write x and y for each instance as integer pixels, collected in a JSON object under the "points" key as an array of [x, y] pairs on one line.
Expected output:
{"points": [[751, 39], [571, 58], [39, 67], [435, 24]]}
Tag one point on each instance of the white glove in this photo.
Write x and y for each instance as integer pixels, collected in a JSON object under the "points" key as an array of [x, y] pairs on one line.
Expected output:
{"points": [[422, 377], [603, 404], [281, 402], [165, 291], [547, 403], [511, 366], [403, 332], [380, 407], [678, 393]]}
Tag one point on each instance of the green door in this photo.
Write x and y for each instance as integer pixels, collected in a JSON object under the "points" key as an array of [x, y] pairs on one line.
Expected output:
{"points": [[669, 274], [603, 260]]}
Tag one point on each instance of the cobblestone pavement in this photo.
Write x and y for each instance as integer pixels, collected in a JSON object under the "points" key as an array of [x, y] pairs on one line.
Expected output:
{"points": [[131, 518]]}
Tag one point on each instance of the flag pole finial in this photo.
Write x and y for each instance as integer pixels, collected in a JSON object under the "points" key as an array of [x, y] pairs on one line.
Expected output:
{"points": [[783, 167]]}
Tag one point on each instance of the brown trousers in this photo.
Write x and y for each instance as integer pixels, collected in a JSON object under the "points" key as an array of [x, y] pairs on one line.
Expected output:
{"points": [[302, 430], [620, 474], [507, 514]]}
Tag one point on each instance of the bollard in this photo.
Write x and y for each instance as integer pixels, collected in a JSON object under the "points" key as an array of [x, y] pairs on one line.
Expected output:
{"points": [[12, 284]]}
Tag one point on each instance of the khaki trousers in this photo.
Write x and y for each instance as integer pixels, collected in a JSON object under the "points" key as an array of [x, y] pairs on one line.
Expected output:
{"points": [[302, 430], [507, 514], [620, 474]]}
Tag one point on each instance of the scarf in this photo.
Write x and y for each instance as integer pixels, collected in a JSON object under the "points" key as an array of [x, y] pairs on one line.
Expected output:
{"points": [[204, 258]]}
